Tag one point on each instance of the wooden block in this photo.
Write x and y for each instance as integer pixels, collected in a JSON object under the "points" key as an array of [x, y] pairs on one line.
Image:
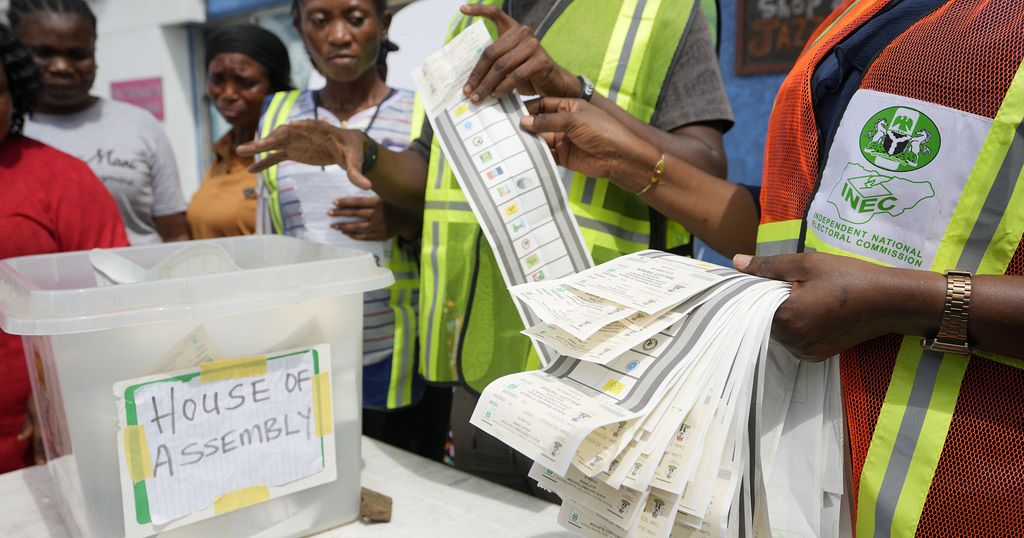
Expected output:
{"points": [[374, 506]]}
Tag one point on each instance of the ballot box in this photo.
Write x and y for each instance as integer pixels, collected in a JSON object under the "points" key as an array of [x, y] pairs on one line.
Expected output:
{"points": [[224, 404]]}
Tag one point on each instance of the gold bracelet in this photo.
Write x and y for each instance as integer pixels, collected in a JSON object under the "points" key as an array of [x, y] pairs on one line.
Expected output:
{"points": [[659, 171]]}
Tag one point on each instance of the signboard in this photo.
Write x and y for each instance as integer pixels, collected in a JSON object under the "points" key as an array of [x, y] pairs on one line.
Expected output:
{"points": [[147, 93], [229, 434], [771, 33]]}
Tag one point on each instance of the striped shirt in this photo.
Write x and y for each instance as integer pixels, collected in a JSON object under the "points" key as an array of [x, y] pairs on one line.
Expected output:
{"points": [[390, 128]]}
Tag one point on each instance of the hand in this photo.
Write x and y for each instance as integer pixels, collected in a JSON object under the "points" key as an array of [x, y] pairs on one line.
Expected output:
{"points": [[515, 61], [372, 214], [586, 139], [312, 142], [839, 302]]}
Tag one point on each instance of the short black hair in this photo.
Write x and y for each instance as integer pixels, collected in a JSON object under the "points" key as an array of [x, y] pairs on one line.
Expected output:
{"points": [[23, 77], [380, 5], [20, 9]]}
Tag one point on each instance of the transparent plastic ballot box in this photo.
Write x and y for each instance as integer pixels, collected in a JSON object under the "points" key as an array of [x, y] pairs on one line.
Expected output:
{"points": [[82, 338]]}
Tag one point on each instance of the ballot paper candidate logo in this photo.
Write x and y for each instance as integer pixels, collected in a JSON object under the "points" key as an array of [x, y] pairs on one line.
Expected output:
{"points": [[526, 243], [580, 417], [538, 276], [671, 471], [596, 460], [863, 193], [511, 209], [636, 468], [523, 183], [486, 157], [624, 505], [489, 412], [519, 225], [682, 433], [632, 365], [613, 465], [900, 139], [555, 448], [460, 110], [504, 191], [495, 172], [618, 430], [650, 344], [477, 141], [574, 517], [657, 505], [533, 260]]}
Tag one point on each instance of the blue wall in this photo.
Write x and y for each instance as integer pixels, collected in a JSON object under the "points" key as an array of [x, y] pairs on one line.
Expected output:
{"points": [[751, 98]]}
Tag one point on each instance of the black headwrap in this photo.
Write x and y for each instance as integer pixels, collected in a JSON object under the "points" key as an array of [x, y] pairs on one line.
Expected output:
{"points": [[257, 43]]}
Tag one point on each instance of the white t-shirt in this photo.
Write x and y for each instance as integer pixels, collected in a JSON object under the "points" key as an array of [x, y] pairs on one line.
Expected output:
{"points": [[127, 148]]}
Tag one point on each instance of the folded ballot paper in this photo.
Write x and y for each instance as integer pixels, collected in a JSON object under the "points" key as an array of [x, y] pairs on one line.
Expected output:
{"points": [[663, 408], [664, 414]]}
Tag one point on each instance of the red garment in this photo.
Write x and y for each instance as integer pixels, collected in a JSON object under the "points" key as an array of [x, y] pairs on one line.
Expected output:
{"points": [[51, 202]]}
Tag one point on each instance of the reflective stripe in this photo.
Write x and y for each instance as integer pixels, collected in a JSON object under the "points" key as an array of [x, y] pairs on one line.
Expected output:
{"points": [[780, 237], [772, 248], [615, 231], [435, 291], [400, 390], [283, 101], [588, 190], [902, 450], [448, 206], [995, 203], [627, 50]]}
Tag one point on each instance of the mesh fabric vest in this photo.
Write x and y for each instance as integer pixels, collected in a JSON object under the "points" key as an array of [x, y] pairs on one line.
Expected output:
{"points": [[937, 441], [470, 327]]}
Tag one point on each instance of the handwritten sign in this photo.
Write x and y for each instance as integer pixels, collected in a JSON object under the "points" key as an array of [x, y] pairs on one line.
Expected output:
{"points": [[228, 434], [771, 33]]}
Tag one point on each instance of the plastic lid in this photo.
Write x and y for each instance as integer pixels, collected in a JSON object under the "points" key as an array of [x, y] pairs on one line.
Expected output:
{"points": [[57, 293]]}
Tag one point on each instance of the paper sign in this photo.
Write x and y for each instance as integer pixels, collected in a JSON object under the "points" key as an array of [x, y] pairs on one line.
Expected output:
{"points": [[233, 432], [147, 93]]}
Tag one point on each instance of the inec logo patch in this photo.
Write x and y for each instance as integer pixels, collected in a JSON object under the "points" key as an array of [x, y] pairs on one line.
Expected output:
{"points": [[863, 193], [900, 139]]}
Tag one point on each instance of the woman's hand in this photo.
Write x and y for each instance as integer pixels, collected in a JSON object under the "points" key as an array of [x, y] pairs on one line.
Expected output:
{"points": [[371, 212], [312, 142], [586, 139], [515, 61], [839, 302]]}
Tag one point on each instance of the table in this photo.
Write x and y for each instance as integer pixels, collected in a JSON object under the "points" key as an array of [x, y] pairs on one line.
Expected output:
{"points": [[429, 500]]}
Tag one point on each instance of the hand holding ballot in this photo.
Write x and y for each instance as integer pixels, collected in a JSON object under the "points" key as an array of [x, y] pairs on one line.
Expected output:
{"points": [[668, 417]]}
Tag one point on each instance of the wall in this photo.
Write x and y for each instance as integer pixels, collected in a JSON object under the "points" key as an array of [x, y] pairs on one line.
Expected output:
{"points": [[155, 38], [751, 98]]}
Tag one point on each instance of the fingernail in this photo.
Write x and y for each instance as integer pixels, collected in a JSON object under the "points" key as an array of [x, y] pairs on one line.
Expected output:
{"points": [[741, 261], [475, 98], [466, 89], [526, 121]]}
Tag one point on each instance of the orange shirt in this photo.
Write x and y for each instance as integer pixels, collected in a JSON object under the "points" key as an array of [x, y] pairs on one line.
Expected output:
{"points": [[225, 204]]}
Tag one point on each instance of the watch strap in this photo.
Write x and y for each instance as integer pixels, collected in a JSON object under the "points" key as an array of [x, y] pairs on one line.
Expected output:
{"points": [[586, 88], [952, 335]]}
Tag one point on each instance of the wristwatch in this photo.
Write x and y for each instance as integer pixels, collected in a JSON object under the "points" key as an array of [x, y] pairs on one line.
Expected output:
{"points": [[952, 336], [369, 156], [586, 88]]}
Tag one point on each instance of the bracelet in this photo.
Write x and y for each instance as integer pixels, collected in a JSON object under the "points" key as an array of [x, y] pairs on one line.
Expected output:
{"points": [[659, 170], [952, 336], [369, 156]]}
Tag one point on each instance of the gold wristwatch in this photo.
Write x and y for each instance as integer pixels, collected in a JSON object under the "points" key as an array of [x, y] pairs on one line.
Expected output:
{"points": [[952, 336]]}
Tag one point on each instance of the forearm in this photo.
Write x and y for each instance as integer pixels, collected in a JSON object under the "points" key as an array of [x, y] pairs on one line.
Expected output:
{"points": [[172, 228], [407, 224], [702, 152], [720, 213], [400, 178], [914, 301]]}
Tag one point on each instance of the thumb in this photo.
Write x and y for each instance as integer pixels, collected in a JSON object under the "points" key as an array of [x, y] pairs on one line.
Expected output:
{"points": [[786, 267]]}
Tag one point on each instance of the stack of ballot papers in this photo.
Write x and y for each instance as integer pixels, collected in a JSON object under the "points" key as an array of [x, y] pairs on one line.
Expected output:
{"points": [[665, 412]]}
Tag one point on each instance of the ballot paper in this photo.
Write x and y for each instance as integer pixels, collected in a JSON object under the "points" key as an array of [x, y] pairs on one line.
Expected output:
{"points": [[658, 440], [508, 176], [663, 408], [306, 197]]}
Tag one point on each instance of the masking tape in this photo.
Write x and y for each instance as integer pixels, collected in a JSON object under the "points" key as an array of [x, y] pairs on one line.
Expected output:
{"points": [[323, 414], [240, 498], [136, 454], [232, 369]]}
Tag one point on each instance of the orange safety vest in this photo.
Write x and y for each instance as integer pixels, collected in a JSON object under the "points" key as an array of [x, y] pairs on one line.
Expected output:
{"points": [[936, 441]]}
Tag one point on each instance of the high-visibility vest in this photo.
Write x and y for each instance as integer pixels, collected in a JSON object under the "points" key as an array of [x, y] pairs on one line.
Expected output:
{"points": [[403, 294], [924, 171], [470, 327]]}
